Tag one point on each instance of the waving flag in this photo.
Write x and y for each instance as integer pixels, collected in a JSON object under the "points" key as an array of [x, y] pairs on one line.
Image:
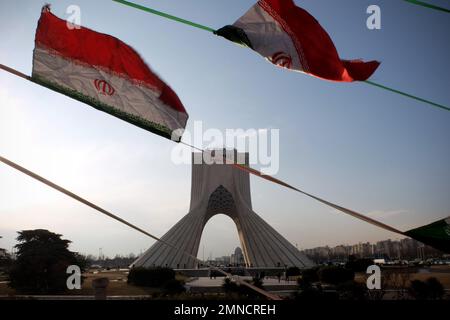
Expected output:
{"points": [[291, 38], [436, 234], [105, 73]]}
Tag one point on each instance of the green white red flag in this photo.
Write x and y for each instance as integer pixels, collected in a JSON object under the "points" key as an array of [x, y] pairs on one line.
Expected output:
{"points": [[290, 37], [105, 73], [436, 234]]}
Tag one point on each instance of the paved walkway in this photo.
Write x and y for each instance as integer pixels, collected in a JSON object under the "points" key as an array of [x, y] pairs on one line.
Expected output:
{"points": [[207, 282]]}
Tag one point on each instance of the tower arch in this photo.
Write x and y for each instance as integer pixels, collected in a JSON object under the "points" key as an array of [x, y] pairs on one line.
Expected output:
{"points": [[222, 189]]}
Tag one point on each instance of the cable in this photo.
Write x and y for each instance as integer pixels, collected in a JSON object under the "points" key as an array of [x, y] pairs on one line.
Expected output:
{"points": [[428, 5]]}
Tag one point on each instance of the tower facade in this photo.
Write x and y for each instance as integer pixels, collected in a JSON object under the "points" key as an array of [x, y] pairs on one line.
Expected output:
{"points": [[222, 189]]}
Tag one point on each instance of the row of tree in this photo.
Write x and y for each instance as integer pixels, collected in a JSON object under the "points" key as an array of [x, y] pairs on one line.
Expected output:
{"points": [[42, 259], [40, 263]]}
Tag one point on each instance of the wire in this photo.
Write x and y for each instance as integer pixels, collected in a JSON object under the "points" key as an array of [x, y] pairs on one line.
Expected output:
{"points": [[428, 5], [407, 95], [165, 15]]}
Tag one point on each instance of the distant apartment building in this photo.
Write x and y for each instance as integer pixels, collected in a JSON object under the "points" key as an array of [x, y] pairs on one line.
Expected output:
{"points": [[404, 249], [362, 250]]}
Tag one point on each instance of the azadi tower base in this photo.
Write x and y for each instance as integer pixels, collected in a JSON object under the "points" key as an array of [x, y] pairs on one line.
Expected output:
{"points": [[222, 189]]}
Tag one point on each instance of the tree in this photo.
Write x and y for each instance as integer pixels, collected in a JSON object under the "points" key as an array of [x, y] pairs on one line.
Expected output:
{"points": [[41, 263], [5, 261]]}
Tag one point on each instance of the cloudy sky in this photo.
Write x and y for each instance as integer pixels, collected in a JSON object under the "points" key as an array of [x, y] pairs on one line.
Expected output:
{"points": [[375, 152]]}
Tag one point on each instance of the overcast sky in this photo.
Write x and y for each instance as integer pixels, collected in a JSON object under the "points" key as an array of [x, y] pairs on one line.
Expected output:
{"points": [[364, 148]]}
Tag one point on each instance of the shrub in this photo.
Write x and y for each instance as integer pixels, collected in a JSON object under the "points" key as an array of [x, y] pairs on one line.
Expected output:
{"points": [[431, 289], [292, 272], [352, 290], [229, 286], [150, 277], [257, 282], [435, 289], [359, 265], [232, 288], [418, 289], [310, 275], [174, 286], [335, 275]]}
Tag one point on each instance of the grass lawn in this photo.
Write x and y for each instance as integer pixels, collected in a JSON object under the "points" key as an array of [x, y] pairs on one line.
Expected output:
{"points": [[118, 285], [442, 273]]}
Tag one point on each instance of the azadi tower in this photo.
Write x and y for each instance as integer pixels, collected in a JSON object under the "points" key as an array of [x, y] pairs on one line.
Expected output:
{"points": [[222, 188]]}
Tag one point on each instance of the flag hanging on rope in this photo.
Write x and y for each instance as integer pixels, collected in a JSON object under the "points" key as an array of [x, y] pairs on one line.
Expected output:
{"points": [[291, 38], [436, 234], [105, 73]]}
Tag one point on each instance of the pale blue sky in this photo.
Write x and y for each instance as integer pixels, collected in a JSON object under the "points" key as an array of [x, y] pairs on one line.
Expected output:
{"points": [[361, 147]]}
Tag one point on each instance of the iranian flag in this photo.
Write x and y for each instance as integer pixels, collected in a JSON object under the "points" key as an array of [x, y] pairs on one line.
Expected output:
{"points": [[436, 234], [105, 73], [291, 38]]}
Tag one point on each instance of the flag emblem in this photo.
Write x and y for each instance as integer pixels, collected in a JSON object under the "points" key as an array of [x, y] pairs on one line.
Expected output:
{"points": [[282, 59], [298, 40], [103, 87], [105, 73]]}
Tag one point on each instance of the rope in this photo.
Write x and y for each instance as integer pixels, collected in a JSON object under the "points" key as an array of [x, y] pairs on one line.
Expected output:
{"points": [[428, 5], [15, 72], [199, 26], [407, 95], [117, 218], [164, 15], [286, 185]]}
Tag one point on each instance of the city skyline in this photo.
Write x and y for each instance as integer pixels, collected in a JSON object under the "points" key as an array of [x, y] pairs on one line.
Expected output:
{"points": [[360, 249]]}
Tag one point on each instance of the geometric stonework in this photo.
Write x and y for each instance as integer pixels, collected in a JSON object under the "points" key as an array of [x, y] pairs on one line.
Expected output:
{"points": [[222, 189]]}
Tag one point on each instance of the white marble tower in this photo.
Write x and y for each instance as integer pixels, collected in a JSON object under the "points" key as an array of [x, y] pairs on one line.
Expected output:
{"points": [[222, 188]]}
